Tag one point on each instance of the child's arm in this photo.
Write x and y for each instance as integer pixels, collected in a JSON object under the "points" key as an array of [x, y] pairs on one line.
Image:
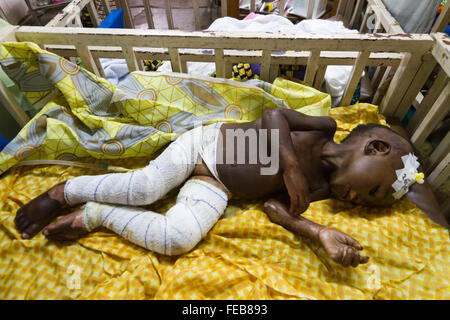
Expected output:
{"points": [[301, 122], [287, 120], [339, 246]]}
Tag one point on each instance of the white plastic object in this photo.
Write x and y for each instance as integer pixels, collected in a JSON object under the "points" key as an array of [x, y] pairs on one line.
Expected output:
{"points": [[300, 8]]}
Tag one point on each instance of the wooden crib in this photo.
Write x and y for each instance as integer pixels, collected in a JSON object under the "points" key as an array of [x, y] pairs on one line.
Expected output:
{"points": [[408, 58]]}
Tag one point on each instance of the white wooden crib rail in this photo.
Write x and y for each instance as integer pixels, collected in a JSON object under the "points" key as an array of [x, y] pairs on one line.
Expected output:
{"points": [[407, 56], [350, 9]]}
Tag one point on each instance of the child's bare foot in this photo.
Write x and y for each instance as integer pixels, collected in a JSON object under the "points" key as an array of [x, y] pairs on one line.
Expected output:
{"points": [[68, 228], [39, 212]]}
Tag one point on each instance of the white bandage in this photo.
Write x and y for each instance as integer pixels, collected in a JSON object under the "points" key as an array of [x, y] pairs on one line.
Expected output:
{"points": [[141, 187], [407, 176], [198, 207]]}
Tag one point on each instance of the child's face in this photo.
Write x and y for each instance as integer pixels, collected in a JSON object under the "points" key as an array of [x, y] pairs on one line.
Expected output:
{"points": [[366, 177], [367, 180]]}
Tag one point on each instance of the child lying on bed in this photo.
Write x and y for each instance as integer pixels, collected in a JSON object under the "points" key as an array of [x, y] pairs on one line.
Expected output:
{"points": [[212, 166]]}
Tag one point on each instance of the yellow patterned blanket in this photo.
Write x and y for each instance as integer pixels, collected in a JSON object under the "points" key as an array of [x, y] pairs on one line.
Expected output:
{"points": [[244, 256]]}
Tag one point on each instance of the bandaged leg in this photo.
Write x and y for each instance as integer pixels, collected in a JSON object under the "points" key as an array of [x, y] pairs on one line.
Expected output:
{"points": [[140, 187], [198, 207]]}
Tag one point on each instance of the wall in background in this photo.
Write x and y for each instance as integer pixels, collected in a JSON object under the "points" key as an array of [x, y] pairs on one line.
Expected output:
{"points": [[13, 10]]}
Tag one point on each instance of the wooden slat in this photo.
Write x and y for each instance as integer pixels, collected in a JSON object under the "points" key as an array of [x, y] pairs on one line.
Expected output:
{"points": [[127, 16], [440, 174], [377, 77], [320, 77], [252, 6], [87, 59], [78, 21], [355, 77], [66, 15], [342, 6], [169, 14], [228, 70], [349, 11], [438, 111], [184, 66], [93, 14], [366, 17], [266, 65], [378, 27], [238, 40], [175, 60], [223, 7], [443, 20], [196, 15], [220, 63], [441, 51], [438, 154], [312, 66], [384, 17], [427, 102], [384, 84], [356, 13], [130, 58], [99, 66], [282, 3], [10, 103], [106, 7], [148, 14], [310, 10], [274, 69], [400, 83], [428, 64]]}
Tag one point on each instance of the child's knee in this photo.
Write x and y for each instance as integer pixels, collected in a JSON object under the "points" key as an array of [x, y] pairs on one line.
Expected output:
{"points": [[213, 182]]}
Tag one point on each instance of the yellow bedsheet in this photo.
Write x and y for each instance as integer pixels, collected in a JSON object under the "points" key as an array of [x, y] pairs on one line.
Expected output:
{"points": [[245, 256]]}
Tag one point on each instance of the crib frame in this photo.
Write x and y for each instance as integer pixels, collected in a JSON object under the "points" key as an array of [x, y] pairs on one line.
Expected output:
{"points": [[411, 57], [350, 10]]}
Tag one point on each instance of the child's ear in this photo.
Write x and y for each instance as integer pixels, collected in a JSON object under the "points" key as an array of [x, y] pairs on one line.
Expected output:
{"points": [[377, 147]]}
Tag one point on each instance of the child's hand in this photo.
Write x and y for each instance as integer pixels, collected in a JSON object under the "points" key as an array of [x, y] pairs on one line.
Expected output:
{"points": [[341, 247], [298, 191]]}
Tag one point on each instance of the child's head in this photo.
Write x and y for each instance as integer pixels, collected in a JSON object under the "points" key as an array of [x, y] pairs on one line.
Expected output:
{"points": [[366, 175]]}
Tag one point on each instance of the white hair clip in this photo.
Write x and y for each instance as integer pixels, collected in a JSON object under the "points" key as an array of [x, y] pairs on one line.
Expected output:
{"points": [[407, 176]]}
